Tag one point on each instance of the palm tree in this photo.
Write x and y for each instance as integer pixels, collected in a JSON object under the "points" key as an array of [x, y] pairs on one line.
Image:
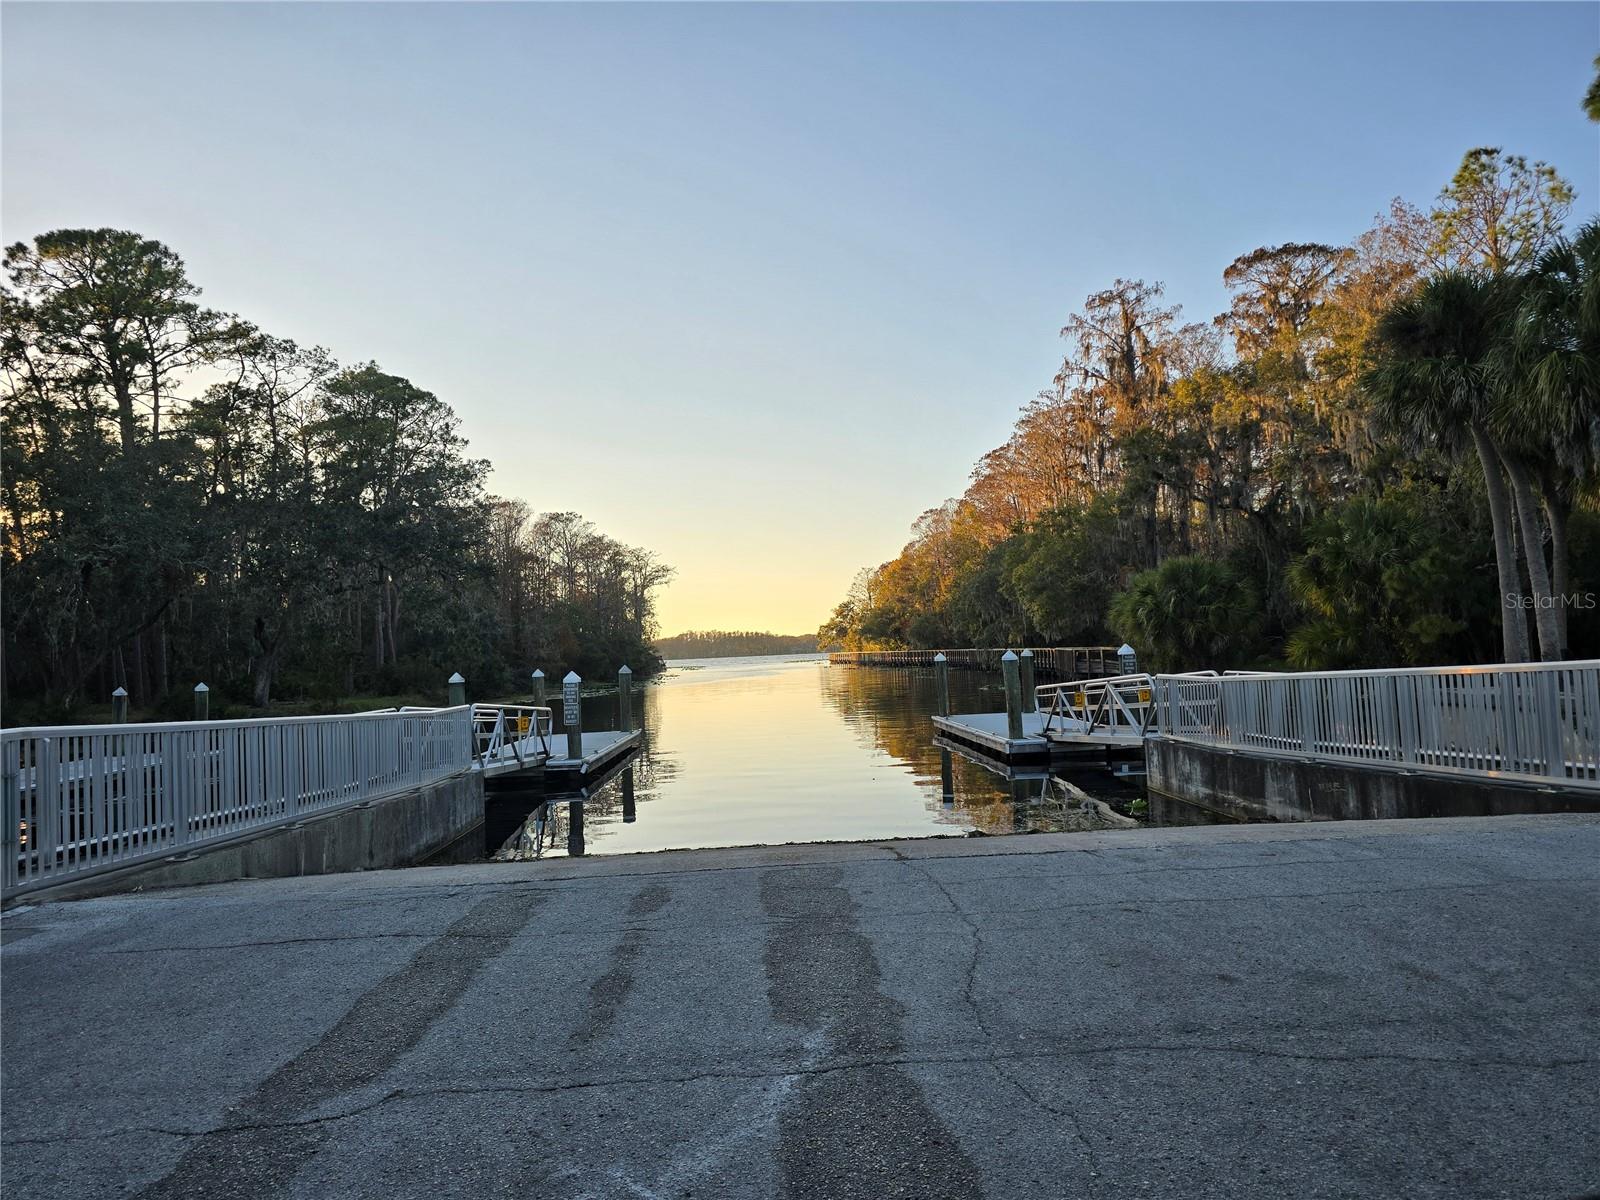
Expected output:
{"points": [[1341, 581], [1432, 381], [1550, 373], [1188, 614]]}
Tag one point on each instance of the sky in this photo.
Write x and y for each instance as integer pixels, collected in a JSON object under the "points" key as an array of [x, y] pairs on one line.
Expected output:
{"points": [[750, 285]]}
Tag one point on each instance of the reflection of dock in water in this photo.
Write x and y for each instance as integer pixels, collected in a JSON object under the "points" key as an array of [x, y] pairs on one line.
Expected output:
{"points": [[1046, 798], [519, 826]]}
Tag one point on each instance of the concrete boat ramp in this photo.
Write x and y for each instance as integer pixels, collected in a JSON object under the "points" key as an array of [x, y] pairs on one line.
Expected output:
{"points": [[1355, 1009]]}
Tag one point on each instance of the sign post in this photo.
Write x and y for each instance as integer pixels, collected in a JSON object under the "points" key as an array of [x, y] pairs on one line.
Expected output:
{"points": [[572, 714]]}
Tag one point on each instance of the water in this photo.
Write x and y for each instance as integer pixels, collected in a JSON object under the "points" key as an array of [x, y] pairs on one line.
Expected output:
{"points": [[765, 751]]}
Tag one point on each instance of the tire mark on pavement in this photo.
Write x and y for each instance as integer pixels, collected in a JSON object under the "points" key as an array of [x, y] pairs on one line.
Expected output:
{"points": [[608, 993], [258, 1149], [867, 1132]]}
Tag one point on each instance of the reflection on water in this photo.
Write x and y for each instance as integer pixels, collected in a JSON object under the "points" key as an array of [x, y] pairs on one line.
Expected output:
{"points": [[553, 827], [763, 751]]}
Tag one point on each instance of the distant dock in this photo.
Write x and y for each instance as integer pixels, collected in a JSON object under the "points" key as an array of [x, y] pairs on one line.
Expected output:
{"points": [[1052, 662]]}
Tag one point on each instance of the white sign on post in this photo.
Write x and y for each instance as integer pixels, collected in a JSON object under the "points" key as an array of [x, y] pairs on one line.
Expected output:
{"points": [[569, 701]]}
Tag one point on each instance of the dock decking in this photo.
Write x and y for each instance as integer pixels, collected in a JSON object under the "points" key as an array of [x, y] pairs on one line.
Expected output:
{"points": [[529, 754], [600, 748], [988, 732]]}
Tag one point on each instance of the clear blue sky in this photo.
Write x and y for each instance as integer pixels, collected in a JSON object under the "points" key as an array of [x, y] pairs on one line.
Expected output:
{"points": [[751, 285]]}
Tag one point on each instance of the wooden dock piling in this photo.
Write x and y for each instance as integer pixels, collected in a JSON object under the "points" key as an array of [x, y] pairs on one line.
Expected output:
{"points": [[1012, 673]]}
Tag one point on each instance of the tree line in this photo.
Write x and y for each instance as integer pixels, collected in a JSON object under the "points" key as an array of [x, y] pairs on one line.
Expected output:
{"points": [[187, 497], [1382, 453], [721, 643]]}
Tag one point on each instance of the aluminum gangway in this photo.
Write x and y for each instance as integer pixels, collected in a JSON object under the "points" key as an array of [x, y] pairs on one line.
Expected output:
{"points": [[76, 800], [1117, 710], [510, 737]]}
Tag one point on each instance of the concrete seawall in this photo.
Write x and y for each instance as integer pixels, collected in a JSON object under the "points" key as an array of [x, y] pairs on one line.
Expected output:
{"points": [[396, 831], [1261, 787]]}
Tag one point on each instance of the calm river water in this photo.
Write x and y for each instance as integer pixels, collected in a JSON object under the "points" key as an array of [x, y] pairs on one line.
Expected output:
{"points": [[763, 751]]}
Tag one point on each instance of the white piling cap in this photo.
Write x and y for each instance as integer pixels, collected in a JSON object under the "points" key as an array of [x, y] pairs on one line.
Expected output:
{"points": [[1124, 649], [940, 657], [538, 674], [456, 678], [1027, 654], [200, 687], [624, 669], [122, 691], [1009, 656], [572, 677]]}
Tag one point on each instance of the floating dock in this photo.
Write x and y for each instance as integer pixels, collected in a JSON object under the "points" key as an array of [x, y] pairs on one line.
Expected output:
{"points": [[989, 734], [601, 747], [534, 756]]}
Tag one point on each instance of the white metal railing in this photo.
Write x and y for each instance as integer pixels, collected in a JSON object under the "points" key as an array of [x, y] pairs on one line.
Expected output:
{"points": [[523, 730], [1535, 722], [79, 799], [1118, 705]]}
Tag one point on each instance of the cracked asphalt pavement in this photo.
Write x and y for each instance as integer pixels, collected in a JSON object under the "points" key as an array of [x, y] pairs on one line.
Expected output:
{"points": [[1370, 1009]]}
